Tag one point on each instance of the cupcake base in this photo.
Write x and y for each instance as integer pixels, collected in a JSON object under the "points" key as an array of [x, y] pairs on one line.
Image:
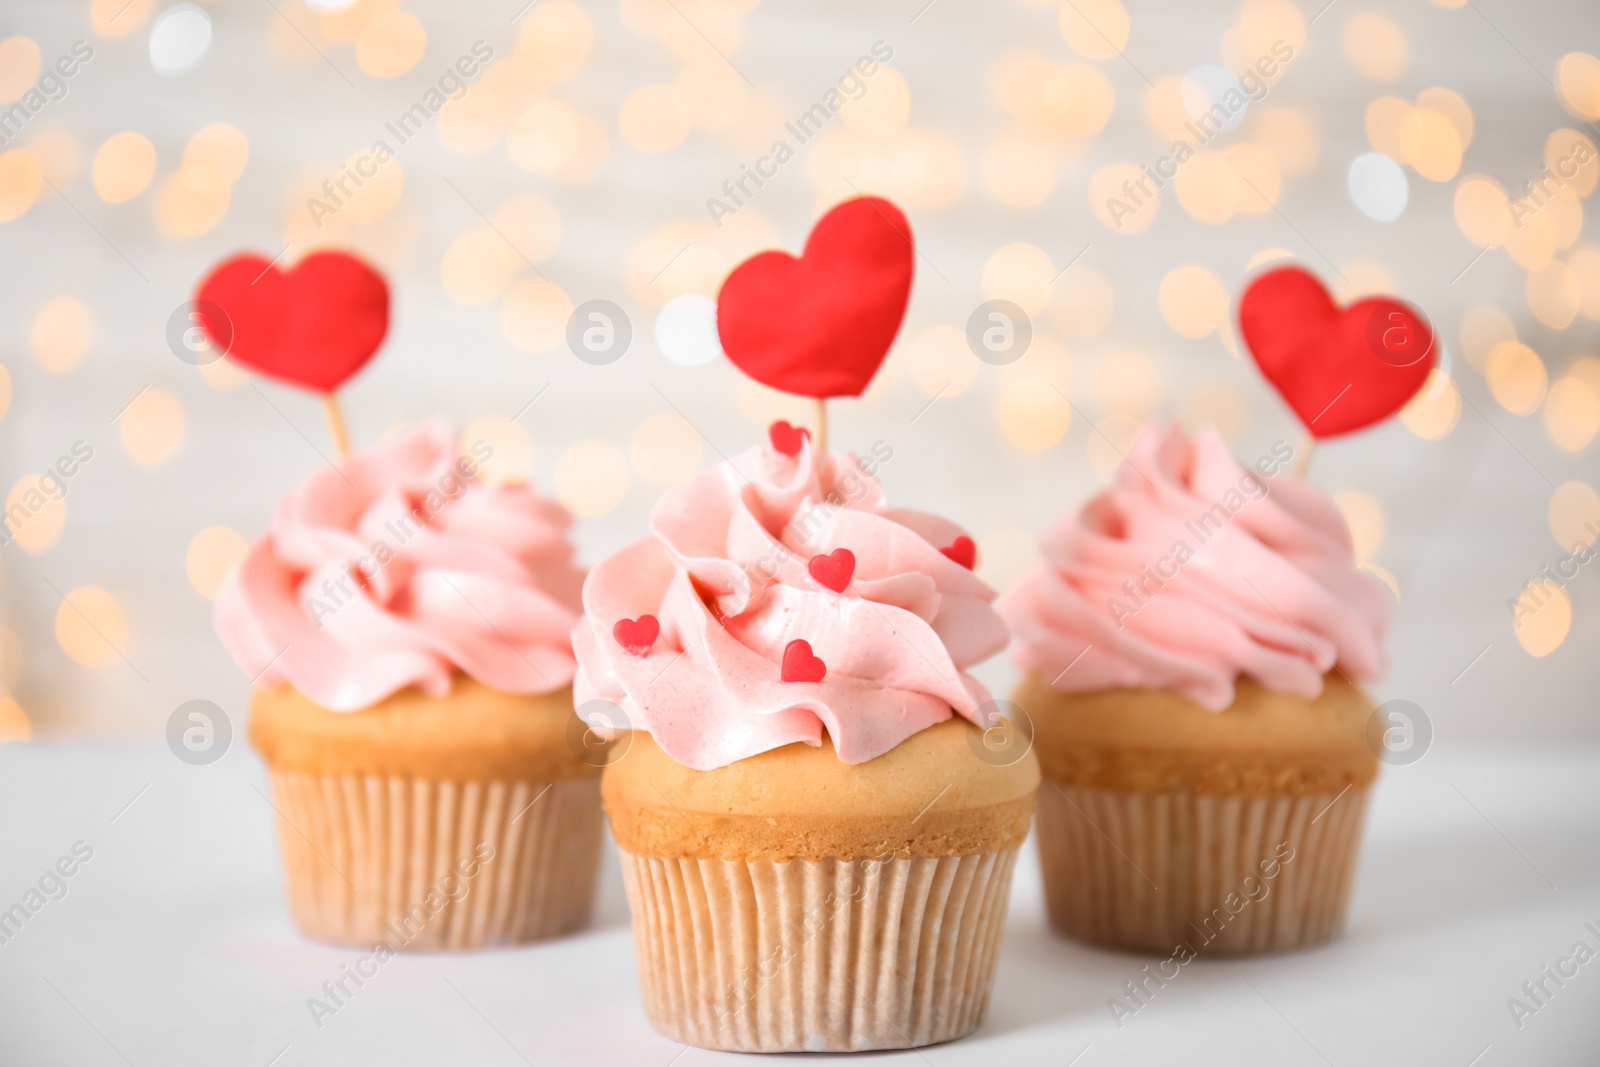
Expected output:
{"points": [[436, 864], [1221, 874], [817, 955]]}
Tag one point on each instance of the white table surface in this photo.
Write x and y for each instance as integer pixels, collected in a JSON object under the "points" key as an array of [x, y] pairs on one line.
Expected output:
{"points": [[172, 946]]}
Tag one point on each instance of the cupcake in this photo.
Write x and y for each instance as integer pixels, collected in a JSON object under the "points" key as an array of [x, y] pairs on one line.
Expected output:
{"points": [[1191, 651], [816, 843], [406, 627]]}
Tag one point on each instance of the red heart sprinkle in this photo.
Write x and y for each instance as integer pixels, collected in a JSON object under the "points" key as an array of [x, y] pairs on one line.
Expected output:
{"points": [[799, 665], [313, 325], [1340, 369], [962, 550], [637, 635], [820, 324], [786, 438], [834, 569]]}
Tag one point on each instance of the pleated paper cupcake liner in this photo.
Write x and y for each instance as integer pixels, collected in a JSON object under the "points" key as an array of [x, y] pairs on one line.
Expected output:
{"points": [[821, 956], [1224, 875], [423, 864]]}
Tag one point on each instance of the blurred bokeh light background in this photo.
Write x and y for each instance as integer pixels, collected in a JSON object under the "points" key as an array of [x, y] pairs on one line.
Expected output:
{"points": [[1441, 151]]}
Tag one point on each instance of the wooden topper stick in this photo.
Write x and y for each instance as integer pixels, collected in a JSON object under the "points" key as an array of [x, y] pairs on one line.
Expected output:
{"points": [[341, 437], [820, 425]]}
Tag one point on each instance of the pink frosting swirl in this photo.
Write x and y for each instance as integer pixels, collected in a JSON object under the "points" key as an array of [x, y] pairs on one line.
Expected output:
{"points": [[399, 567], [1190, 571], [726, 572]]}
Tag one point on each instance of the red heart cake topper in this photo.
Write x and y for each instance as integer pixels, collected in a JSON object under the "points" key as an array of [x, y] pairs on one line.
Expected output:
{"points": [[1341, 370], [821, 324], [313, 325]]}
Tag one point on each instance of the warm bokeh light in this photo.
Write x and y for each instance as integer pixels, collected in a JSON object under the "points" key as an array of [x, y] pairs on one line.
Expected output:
{"points": [[224, 375], [391, 44], [474, 121], [1516, 377], [1482, 210], [1570, 156], [60, 155], [920, 171], [1021, 273], [883, 109], [1572, 413], [1075, 99], [1385, 124], [1578, 84], [1482, 328], [1267, 255], [712, 95], [652, 119], [21, 180], [1193, 300], [118, 18], [14, 725], [591, 478], [1209, 188], [1364, 516], [1436, 408], [1554, 294], [1260, 180], [1216, 406], [1127, 383], [1081, 302], [368, 188], [555, 40], [940, 362], [1431, 144], [36, 513], [1376, 46], [665, 449], [1585, 263], [1541, 617], [1290, 135], [213, 555], [123, 166], [91, 629], [190, 203], [516, 81], [1109, 442], [511, 448], [20, 61], [1531, 243], [531, 224], [1032, 413], [1164, 109], [534, 315], [1006, 557], [1095, 29], [216, 156], [63, 334], [556, 140], [1586, 369], [1566, 216], [1019, 169], [1364, 278], [11, 658], [1574, 516], [152, 427], [477, 267], [1453, 106], [1115, 206]]}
